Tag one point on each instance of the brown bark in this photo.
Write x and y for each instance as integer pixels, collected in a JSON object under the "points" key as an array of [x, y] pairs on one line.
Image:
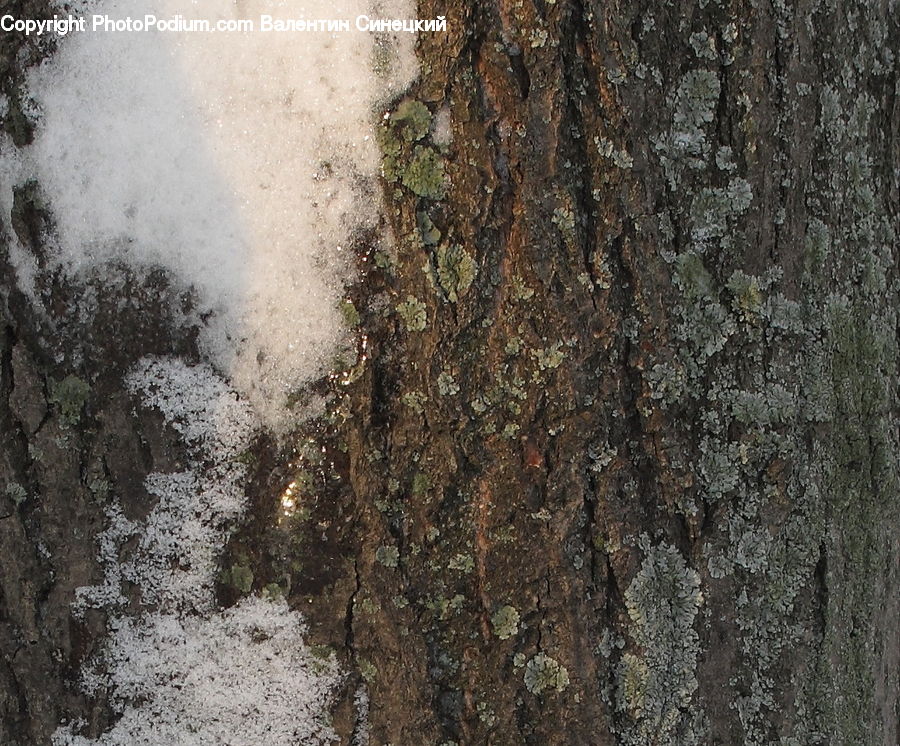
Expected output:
{"points": [[637, 483]]}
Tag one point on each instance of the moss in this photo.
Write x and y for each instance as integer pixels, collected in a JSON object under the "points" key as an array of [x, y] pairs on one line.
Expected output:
{"points": [[543, 673], [505, 622], [456, 271], [70, 395]]}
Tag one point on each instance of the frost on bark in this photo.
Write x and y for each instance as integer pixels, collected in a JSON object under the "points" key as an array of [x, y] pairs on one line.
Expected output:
{"points": [[616, 462]]}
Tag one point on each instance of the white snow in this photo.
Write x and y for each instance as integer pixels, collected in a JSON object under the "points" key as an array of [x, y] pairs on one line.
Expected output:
{"points": [[243, 677], [240, 162], [182, 671]]}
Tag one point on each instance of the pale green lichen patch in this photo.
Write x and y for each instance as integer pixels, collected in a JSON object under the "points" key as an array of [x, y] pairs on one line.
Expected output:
{"points": [[543, 673], [16, 492], [462, 563], [455, 270], [693, 105], [427, 229], [349, 312], [505, 622], [405, 158], [424, 175], [447, 385], [414, 314], [549, 358], [415, 400], [387, 555], [411, 120], [656, 687]]}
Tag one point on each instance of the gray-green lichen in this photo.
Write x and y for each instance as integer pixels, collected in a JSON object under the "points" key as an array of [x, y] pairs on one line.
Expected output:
{"points": [[405, 158], [795, 399], [543, 673], [693, 104], [505, 622], [455, 270], [656, 685], [462, 563], [16, 492], [240, 577], [411, 120], [387, 555], [424, 175], [70, 395], [414, 314]]}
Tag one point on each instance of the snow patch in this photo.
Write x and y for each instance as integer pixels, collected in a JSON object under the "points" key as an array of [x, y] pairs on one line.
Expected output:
{"points": [[243, 677], [181, 671], [242, 163]]}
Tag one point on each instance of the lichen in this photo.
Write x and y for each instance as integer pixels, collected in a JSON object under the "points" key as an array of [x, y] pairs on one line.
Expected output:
{"points": [[411, 120], [657, 686], [505, 622], [424, 175], [455, 270], [543, 673], [427, 229], [240, 577], [16, 492], [414, 314], [415, 400], [387, 555], [447, 385], [349, 312], [70, 396], [462, 563]]}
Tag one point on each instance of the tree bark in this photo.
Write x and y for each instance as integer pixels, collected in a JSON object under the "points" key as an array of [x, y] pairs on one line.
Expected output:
{"points": [[617, 461]]}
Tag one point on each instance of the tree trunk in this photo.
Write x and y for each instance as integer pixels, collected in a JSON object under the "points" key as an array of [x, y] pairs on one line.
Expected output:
{"points": [[617, 462]]}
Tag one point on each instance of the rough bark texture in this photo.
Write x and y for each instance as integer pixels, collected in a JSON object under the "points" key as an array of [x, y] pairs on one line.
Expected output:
{"points": [[618, 460]]}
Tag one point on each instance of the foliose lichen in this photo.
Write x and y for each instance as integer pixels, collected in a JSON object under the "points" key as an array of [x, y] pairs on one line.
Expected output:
{"points": [[543, 673], [656, 687], [70, 396], [505, 622]]}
